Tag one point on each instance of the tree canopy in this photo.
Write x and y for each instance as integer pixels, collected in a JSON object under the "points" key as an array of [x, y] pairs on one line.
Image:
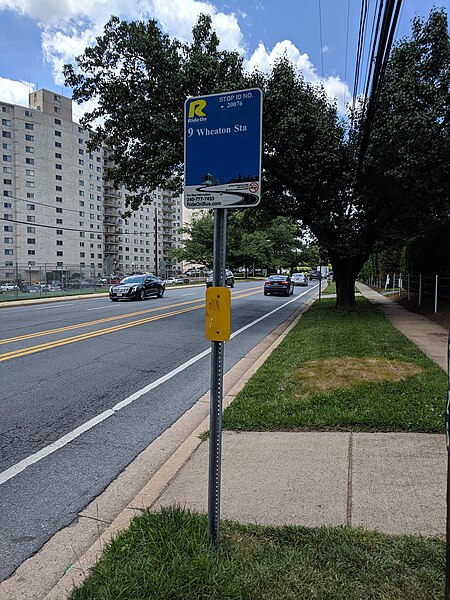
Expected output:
{"points": [[311, 171], [277, 245]]}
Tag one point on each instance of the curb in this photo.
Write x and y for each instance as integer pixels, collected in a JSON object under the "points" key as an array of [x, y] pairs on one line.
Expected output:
{"points": [[149, 495], [170, 451]]}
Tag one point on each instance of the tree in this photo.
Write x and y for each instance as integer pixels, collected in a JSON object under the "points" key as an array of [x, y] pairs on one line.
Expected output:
{"points": [[267, 248], [310, 168], [141, 79]]}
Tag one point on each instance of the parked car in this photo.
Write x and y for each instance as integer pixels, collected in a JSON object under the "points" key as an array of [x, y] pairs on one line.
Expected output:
{"points": [[299, 279], [279, 284], [137, 287], [315, 275], [229, 279], [8, 287], [30, 289], [176, 280]]}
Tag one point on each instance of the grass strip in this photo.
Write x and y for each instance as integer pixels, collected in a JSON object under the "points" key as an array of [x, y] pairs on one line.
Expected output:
{"points": [[167, 556], [276, 397]]}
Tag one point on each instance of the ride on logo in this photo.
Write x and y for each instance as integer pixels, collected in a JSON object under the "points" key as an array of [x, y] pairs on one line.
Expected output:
{"points": [[196, 111]]}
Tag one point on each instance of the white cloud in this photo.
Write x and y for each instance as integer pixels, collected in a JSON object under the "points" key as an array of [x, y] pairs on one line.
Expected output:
{"points": [[69, 26], [15, 92], [263, 60]]}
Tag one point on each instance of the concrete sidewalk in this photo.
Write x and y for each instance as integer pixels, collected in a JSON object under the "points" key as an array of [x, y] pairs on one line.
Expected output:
{"points": [[392, 482]]}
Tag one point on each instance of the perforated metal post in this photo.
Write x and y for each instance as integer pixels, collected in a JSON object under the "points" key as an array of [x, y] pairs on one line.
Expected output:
{"points": [[447, 436], [215, 415]]}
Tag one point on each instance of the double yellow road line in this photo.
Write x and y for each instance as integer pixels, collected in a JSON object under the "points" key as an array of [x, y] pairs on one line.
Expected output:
{"points": [[92, 334]]}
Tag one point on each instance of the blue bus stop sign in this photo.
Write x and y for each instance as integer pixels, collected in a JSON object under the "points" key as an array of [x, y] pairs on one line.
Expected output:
{"points": [[222, 150]]}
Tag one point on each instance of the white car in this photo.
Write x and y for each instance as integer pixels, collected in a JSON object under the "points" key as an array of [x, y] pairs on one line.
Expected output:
{"points": [[174, 281], [8, 287], [299, 279]]}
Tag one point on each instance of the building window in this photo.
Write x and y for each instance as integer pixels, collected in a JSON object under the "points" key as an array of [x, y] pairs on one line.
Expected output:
{"points": [[31, 207], [80, 151], [59, 221], [59, 253], [58, 209], [7, 205], [31, 229], [6, 122], [31, 218], [8, 240], [7, 193], [31, 253], [58, 145], [8, 252], [29, 172], [29, 138], [58, 155], [58, 177], [58, 166], [29, 126], [7, 228], [29, 161], [31, 240], [57, 109], [59, 242], [29, 149], [29, 184], [57, 121], [7, 158], [81, 161], [80, 192], [59, 232], [59, 199], [58, 188], [56, 98], [7, 169], [6, 146], [28, 113], [30, 194], [57, 133], [6, 134], [7, 182]]}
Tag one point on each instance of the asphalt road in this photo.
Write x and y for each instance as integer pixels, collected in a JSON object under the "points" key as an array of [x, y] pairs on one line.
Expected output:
{"points": [[87, 384]]}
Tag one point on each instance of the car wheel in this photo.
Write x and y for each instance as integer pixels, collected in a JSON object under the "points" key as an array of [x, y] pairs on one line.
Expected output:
{"points": [[142, 294], [114, 299], [266, 293], [160, 293]]}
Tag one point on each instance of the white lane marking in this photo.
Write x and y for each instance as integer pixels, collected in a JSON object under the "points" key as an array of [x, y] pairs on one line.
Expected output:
{"points": [[191, 294], [101, 307], [55, 306], [75, 433]]}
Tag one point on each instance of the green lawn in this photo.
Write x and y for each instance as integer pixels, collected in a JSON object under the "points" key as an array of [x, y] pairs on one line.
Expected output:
{"points": [[281, 397], [167, 556]]}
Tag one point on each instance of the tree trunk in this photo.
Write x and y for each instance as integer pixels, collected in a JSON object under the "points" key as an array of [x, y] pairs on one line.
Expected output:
{"points": [[345, 271]]}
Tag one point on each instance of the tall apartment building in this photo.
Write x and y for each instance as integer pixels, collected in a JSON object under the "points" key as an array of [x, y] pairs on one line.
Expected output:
{"points": [[59, 211]]}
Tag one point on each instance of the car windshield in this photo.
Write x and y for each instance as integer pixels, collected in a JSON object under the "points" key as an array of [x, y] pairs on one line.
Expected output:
{"points": [[133, 279], [298, 275], [277, 277]]}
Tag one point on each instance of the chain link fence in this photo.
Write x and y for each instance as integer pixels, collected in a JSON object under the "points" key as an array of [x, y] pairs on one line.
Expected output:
{"points": [[422, 289]]}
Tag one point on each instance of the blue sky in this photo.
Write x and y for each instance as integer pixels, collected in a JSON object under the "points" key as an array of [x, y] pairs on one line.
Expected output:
{"points": [[38, 36]]}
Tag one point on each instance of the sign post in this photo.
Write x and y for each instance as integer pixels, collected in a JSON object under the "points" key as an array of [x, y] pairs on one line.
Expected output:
{"points": [[222, 160]]}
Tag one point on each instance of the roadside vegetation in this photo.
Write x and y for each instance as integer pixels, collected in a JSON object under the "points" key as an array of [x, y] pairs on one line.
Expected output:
{"points": [[167, 555], [343, 370]]}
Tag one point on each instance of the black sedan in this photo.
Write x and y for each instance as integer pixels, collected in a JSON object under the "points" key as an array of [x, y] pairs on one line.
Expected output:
{"points": [[137, 287], [278, 284]]}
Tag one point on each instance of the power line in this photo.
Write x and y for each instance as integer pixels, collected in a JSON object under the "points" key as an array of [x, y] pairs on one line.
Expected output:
{"points": [[382, 53], [321, 40], [346, 48]]}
